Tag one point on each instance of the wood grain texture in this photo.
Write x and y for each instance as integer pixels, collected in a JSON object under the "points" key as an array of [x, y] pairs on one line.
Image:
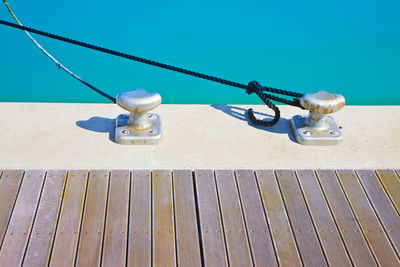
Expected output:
{"points": [[67, 234], [234, 227], [373, 231], [353, 237], [139, 245], [9, 186], [383, 207], [116, 229], [281, 231], [163, 220], [19, 228], [187, 236], [212, 236], [91, 237], [391, 183], [308, 243], [43, 231], [200, 218], [328, 233], [258, 231]]}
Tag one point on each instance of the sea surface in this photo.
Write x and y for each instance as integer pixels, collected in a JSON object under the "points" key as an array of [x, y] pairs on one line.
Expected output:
{"points": [[346, 47]]}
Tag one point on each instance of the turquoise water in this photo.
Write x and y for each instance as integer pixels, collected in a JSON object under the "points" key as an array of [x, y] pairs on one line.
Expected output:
{"points": [[348, 47]]}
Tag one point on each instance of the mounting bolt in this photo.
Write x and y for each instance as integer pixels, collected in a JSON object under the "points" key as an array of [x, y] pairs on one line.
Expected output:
{"points": [[323, 128], [143, 128], [124, 132]]}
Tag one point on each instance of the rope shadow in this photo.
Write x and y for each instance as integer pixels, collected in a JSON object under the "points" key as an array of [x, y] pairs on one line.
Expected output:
{"points": [[281, 127], [99, 125]]}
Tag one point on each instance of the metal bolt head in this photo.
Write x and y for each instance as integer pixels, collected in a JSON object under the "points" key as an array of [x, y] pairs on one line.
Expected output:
{"points": [[125, 132], [307, 133], [152, 132]]}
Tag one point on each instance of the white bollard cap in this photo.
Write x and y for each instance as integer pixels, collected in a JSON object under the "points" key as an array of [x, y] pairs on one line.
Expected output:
{"points": [[322, 102], [139, 100]]}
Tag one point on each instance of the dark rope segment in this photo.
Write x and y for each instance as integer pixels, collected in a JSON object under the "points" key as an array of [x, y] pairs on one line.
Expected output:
{"points": [[147, 61], [255, 87], [252, 87], [124, 55]]}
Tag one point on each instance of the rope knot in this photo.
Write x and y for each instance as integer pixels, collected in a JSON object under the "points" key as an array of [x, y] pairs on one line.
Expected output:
{"points": [[254, 87]]}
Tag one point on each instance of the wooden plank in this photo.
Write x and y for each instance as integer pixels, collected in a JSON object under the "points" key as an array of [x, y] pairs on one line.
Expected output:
{"points": [[43, 231], [139, 245], [67, 234], [19, 228], [383, 207], [237, 243], [281, 231], [212, 237], [91, 237], [373, 231], [391, 183], [163, 220], [307, 241], [327, 231], [9, 186], [259, 235], [357, 247], [187, 236], [115, 239]]}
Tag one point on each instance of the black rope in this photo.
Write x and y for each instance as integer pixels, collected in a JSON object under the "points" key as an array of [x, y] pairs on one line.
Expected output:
{"points": [[252, 87], [255, 87]]}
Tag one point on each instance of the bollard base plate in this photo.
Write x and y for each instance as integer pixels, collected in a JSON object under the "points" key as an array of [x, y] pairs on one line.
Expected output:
{"points": [[306, 135], [127, 135]]}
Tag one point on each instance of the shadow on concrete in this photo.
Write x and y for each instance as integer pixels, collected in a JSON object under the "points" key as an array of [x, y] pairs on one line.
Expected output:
{"points": [[99, 125], [282, 127]]}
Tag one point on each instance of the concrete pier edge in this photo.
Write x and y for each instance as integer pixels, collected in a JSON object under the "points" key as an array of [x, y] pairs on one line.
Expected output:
{"points": [[80, 136]]}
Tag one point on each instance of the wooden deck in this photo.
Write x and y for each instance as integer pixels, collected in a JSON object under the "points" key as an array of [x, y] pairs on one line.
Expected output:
{"points": [[201, 218]]}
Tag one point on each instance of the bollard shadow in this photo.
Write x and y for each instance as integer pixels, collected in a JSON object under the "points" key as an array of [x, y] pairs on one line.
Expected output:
{"points": [[99, 125], [282, 127]]}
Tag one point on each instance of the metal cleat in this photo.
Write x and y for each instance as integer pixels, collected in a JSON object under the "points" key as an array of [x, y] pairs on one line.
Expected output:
{"points": [[139, 127], [318, 128]]}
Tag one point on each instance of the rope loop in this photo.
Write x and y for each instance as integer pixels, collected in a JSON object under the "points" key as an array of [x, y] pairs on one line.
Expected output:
{"points": [[255, 87]]}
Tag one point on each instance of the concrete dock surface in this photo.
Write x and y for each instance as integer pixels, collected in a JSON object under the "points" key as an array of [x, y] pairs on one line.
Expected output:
{"points": [[81, 136]]}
